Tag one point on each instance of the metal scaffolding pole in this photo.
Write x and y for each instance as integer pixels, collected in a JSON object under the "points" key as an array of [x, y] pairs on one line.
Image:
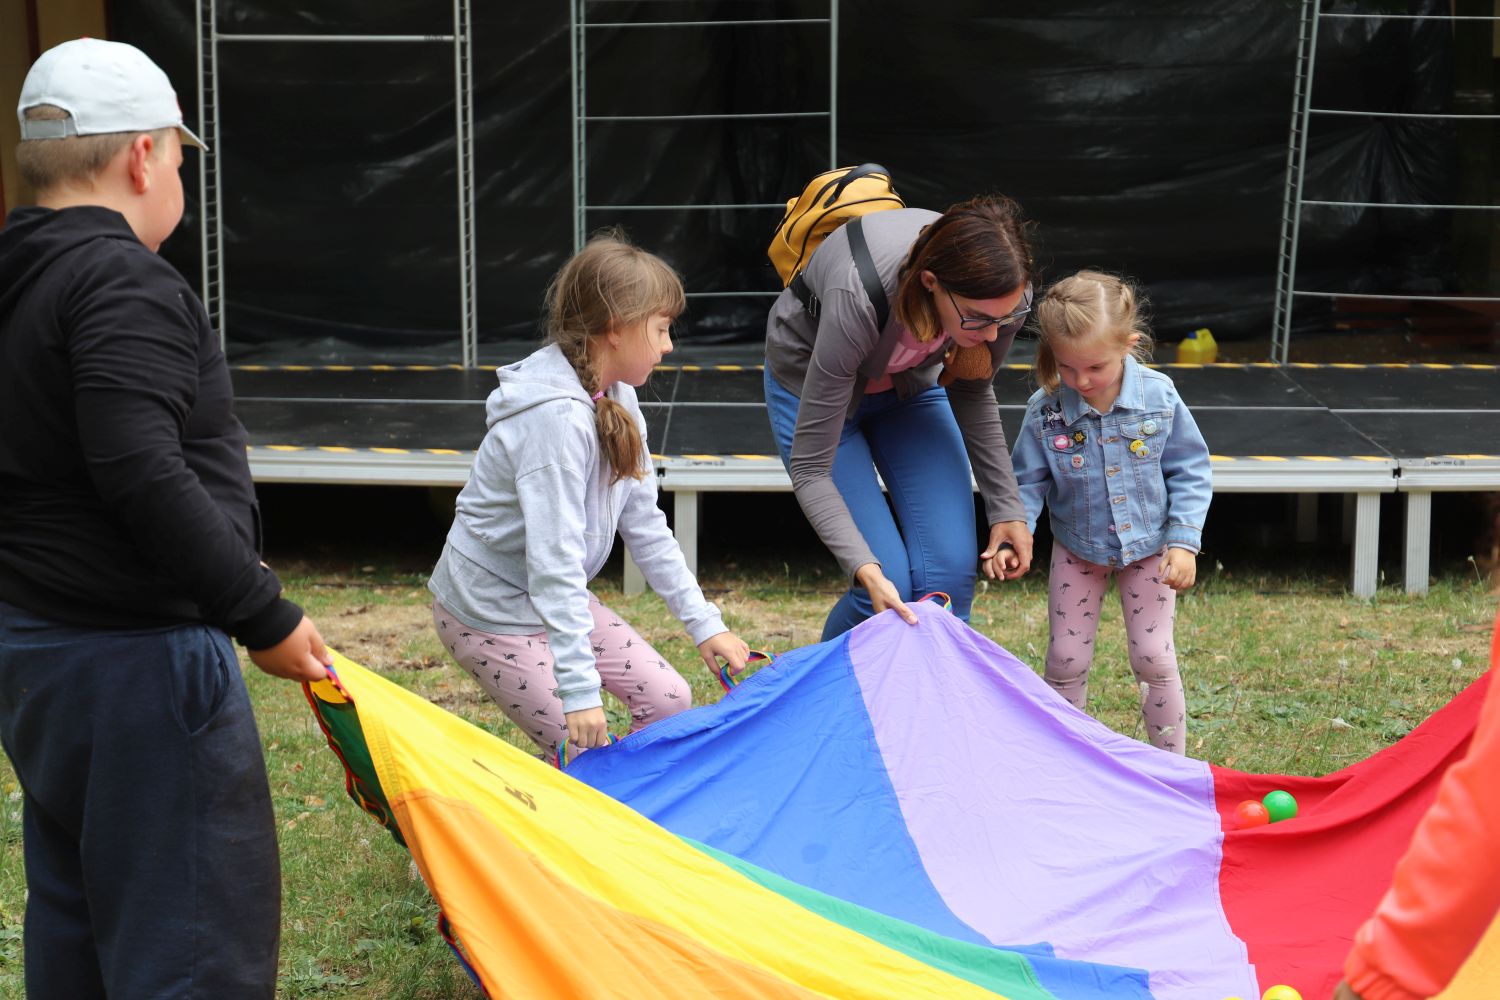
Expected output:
{"points": [[1296, 166], [210, 201], [576, 27], [468, 252], [833, 84]]}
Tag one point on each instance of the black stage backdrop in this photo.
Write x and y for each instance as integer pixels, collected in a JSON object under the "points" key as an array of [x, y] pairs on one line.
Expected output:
{"points": [[1148, 139]]}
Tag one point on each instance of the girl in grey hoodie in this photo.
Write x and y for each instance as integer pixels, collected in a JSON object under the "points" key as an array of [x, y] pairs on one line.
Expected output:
{"points": [[563, 467]]}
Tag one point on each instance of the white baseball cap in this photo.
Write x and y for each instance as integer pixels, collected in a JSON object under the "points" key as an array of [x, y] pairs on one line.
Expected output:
{"points": [[105, 87]]}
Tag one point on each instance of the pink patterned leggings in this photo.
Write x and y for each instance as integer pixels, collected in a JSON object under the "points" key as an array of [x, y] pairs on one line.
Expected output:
{"points": [[516, 671], [1150, 610]]}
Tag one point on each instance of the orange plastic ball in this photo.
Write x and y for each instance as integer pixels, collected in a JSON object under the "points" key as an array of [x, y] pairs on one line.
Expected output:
{"points": [[1250, 813]]}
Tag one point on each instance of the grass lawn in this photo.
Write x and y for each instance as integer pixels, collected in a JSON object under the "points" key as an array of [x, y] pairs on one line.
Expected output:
{"points": [[1284, 675]]}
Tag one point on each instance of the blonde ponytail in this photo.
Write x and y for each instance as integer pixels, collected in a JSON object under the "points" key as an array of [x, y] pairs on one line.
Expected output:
{"points": [[1083, 306]]}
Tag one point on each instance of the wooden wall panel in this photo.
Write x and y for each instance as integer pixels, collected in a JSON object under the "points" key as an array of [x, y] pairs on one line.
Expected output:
{"points": [[28, 28]]}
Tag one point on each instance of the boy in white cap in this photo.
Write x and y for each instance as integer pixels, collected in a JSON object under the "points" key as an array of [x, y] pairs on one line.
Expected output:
{"points": [[129, 553]]}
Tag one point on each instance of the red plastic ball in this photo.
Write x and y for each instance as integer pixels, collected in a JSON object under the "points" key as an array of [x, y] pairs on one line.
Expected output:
{"points": [[1251, 813]]}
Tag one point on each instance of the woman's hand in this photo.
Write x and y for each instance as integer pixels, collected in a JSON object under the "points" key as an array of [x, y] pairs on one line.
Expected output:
{"points": [[1345, 992], [587, 728], [1008, 556], [725, 646], [1178, 569], [883, 593]]}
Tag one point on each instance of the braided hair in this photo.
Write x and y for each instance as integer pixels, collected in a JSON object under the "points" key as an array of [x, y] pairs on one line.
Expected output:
{"points": [[610, 284]]}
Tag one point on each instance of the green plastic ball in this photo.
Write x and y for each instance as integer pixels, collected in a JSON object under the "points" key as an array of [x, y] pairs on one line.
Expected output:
{"points": [[1280, 805], [1280, 992]]}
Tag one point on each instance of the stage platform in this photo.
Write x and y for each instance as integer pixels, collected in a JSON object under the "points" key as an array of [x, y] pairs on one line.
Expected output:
{"points": [[1356, 430]]}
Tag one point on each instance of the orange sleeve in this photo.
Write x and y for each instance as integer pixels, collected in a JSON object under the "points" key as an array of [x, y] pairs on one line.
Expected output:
{"points": [[1446, 889]]}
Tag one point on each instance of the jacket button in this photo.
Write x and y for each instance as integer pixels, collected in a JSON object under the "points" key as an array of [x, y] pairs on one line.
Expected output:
{"points": [[1125, 527], [1117, 500]]}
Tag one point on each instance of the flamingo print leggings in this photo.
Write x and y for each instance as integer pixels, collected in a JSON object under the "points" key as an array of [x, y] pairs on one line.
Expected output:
{"points": [[516, 671], [1150, 610]]}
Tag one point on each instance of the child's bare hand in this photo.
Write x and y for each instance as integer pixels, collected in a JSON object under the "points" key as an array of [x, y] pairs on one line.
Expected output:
{"points": [[587, 728], [1178, 568], [725, 646], [301, 656]]}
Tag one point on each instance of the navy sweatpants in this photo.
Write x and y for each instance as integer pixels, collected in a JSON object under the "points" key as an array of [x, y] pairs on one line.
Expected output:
{"points": [[150, 843]]}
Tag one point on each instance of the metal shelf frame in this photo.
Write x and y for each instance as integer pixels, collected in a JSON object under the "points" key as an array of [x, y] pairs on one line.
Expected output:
{"points": [[211, 171], [581, 119], [1293, 202]]}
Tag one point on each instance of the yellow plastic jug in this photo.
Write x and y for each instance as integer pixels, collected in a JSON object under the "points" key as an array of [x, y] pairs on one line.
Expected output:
{"points": [[1197, 348]]}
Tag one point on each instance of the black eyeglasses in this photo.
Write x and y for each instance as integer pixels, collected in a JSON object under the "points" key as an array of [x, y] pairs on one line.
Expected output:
{"points": [[980, 322]]}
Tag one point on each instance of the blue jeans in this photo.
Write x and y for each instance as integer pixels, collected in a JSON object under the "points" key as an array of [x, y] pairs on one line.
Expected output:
{"points": [[929, 541], [149, 840]]}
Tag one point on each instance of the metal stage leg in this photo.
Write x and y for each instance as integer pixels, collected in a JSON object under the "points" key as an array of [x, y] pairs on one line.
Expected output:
{"points": [[686, 507], [1418, 540], [1366, 543], [1307, 517], [635, 583]]}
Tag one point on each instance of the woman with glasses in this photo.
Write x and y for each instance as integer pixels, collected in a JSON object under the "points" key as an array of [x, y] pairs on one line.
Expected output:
{"points": [[850, 397]]}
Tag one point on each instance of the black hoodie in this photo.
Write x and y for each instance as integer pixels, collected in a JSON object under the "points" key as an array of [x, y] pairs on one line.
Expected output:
{"points": [[125, 494]]}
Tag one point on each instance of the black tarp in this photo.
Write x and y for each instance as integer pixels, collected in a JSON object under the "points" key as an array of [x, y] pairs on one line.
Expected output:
{"points": [[1148, 139]]}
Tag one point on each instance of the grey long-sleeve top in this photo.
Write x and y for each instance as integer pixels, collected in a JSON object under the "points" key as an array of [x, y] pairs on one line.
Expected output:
{"points": [[539, 515], [828, 362]]}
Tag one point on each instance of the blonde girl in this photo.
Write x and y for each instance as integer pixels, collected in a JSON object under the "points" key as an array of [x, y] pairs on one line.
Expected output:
{"points": [[563, 467], [1113, 451]]}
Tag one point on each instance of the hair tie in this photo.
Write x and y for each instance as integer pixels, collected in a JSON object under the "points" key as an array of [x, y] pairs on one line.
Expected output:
{"points": [[597, 396]]}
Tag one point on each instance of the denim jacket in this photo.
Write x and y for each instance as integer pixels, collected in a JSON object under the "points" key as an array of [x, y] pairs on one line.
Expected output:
{"points": [[1122, 485]]}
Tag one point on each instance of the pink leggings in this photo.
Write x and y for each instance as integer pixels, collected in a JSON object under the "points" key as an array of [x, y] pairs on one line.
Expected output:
{"points": [[1150, 610], [516, 671]]}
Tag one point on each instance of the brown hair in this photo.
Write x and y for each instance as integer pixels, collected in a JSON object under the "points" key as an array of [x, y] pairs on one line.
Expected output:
{"points": [[610, 284], [50, 163], [977, 248], [1084, 305]]}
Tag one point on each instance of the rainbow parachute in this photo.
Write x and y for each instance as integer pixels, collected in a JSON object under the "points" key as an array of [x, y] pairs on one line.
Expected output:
{"points": [[903, 812]]}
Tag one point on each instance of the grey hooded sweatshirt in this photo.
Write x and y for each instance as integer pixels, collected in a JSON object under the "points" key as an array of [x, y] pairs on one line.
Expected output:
{"points": [[537, 519]]}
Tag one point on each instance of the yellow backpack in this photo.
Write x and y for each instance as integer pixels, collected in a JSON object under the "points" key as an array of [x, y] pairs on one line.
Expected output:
{"points": [[830, 199]]}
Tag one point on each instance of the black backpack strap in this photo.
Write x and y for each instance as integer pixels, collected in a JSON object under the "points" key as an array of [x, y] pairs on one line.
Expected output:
{"points": [[868, 276], [810, 302]]}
